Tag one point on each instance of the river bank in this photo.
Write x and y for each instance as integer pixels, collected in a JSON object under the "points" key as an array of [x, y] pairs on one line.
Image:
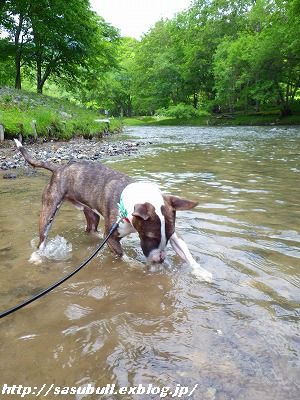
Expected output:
{"points": [[41, 117], [259, 119], [63, 152]]}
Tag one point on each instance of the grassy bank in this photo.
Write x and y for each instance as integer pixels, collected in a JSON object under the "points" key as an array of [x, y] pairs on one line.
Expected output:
{"points": [[30, 114], [216, 120]]}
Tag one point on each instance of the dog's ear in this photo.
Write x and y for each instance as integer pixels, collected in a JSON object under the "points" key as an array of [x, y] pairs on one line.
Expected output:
{"points": [[180, 204], [144, 211]]}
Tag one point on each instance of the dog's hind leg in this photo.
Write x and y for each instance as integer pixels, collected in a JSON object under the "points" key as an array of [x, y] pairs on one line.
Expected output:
{"points": [[92, 220], [51, 201]]}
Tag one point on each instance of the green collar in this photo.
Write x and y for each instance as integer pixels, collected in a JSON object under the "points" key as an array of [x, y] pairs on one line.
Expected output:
{"points": [[122, 210]]}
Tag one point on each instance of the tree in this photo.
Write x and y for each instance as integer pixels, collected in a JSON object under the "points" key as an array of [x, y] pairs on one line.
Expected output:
{"points": [[175, 59], [112, 89], [15, 24], [263, 63], [157, 76], [75, 37], [56, 38]]}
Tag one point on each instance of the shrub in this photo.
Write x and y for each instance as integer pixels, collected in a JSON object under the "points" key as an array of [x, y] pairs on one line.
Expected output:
{"points": [[47, 122], [181, 111]]}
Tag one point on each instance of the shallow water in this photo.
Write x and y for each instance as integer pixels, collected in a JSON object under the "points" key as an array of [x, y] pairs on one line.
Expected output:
{"points": [[118, 322]]}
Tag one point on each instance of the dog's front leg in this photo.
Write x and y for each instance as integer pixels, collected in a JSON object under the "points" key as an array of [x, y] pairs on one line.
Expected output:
{"points": [[114, 241], [115, 246], [182, 250]]}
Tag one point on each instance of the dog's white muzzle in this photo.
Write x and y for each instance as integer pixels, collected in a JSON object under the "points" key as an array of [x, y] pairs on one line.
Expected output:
{"points": [[156, 256]]}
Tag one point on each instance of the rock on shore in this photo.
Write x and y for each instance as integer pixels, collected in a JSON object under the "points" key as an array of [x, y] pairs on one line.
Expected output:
{"points": [[62, 152]]}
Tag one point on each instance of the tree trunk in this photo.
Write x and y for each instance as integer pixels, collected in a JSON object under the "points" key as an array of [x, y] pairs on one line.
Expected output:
{"points": [[257, 105], [18, 84], [18, 55], [286, 110], [39, 85], [195, 100], [290, 94], [41, 78], [129, 107], [38, 60]]}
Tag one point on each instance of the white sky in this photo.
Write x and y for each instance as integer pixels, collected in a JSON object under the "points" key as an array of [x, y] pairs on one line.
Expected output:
{"points": [[135, 17]]}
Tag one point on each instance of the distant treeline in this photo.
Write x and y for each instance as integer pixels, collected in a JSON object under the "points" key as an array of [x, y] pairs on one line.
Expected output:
{"points": [[218, 55]]}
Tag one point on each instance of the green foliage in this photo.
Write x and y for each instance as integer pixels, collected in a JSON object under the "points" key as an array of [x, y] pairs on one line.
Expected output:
{"points": [[6, 73], [181, 111], [157, 79], [220, 55], [112, 89]]}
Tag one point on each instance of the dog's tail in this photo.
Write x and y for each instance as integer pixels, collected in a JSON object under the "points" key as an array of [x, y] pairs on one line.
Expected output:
{"points": [[36, 164]]}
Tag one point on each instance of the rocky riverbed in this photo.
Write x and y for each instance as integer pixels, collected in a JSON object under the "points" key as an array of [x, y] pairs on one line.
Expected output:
{"points": [[62, 152]]}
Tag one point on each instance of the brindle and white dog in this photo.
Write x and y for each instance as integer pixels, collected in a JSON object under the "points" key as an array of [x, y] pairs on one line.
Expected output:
{"points": [[101, 191]]}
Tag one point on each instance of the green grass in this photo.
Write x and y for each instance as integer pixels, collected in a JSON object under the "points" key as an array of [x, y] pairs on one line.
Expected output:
{"points": [[54, 118], [136, 121]]}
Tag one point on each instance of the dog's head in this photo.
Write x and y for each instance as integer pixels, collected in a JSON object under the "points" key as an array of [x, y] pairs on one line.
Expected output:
{"points": [[156, 226]]}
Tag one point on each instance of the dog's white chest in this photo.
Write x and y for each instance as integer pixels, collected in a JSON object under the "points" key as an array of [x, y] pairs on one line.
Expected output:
{"points": [[142, 192], [139, 193]]}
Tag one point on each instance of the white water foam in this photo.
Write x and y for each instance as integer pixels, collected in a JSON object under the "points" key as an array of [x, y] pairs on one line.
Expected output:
{"points": [[57, 249]]}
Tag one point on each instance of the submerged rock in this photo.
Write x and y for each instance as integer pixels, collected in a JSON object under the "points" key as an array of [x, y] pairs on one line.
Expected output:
{"points": [[9, 175]]}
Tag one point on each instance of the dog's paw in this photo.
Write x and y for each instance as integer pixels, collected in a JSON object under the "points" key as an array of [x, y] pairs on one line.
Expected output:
{"points": [[36, 258], [201, 273], [96, 234]]}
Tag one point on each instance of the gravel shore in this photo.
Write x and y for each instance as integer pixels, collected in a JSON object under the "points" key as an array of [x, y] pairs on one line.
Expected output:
{"points": [[62, 152]]}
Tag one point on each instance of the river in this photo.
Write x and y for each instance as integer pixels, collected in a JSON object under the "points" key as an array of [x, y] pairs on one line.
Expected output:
{"points": [[122, 323]]}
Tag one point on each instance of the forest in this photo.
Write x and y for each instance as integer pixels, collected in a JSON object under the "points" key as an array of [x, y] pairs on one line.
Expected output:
{"points": [[218, 56]]}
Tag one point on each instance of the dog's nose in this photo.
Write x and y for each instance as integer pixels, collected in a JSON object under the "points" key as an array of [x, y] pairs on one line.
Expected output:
{"points": [[158, 257], [162, 257]]}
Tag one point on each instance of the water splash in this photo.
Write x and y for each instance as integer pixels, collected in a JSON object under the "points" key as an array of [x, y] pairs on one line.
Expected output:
{"points": [[56, 249]]}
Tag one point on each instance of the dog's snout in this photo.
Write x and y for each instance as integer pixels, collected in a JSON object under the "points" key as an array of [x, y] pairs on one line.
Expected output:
{"points": [[157, 257]]}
